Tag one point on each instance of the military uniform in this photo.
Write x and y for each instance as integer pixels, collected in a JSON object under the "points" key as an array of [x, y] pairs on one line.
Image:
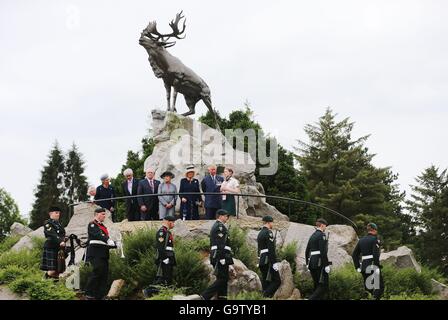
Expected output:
{"points": [[220, 258], [54, 234], [166, 259], [266, 250], [366, 258], [97, 255], [316, 260]]}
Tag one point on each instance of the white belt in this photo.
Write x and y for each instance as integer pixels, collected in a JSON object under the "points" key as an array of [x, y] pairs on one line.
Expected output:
{"points": [[169, 248], [367, 257], [225, 248], [98, 242], [264, 251], [313, 253]]}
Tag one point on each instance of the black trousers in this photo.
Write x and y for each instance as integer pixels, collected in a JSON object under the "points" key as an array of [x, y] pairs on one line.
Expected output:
{"points": [[167, 275], [320, 280], [150, 214], [210, 213], [376, 293], [218, 287], [269, 287], [133, 212], [97, 284]]}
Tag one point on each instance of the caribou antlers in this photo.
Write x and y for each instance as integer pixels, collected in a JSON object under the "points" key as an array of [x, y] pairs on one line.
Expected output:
{"points": [[162, 39]]}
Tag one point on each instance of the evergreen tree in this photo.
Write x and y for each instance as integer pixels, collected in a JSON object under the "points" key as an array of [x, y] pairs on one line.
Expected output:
{"points": [[9, 213], [50, 190], [341, 176], [286, 182], [429, 205], [75, 182]]}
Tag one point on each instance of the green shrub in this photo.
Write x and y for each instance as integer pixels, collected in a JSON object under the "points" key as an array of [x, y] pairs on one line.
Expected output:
{"points": [[24, 283], [48, 290], [346, 284], [23, 258], [190, 271], [10, 273], [304, 283], [167, 293], [415, 296], [139, 243], [405, 281], [289, 253], [241, 249], [244, 295], [8, 243]]}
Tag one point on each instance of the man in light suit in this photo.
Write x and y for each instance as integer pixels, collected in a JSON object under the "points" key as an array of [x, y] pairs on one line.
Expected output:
{"points": [[130, 187], [149, 206], [212, 183]]}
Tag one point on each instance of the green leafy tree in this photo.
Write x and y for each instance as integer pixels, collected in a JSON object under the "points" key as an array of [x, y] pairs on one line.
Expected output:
{"points": [[341, 176], [286, 182], [50, 190], [9, 213], [429, 206]]}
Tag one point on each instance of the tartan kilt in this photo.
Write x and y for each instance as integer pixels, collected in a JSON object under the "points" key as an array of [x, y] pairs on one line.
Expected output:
{"points": [[49, 260]]}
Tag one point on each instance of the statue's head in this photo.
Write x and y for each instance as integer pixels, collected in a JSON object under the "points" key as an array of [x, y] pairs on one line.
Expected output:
{"points": [[152, 39]]}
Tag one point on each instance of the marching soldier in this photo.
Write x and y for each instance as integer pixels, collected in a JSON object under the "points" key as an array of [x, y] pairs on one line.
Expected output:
{"points": [[54, 243], [165, 252], [268, 260], [317, 260], [165, 258], [366, 258], [220, 256], [97, 255]]}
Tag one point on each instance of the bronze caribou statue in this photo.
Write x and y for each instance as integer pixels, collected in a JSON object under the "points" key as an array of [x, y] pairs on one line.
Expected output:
{"points": [[172, 71]]}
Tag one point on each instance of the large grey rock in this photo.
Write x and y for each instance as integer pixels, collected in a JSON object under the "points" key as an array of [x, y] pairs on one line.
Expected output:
{"points": [[401, 258], [18, 229], [182, 141], [287, 290], [241, 279], [26, 242], [340, 245], [439, 289]]}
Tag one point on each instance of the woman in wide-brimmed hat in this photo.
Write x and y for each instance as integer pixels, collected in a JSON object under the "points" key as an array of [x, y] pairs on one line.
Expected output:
{"points": [[190, 202], [167, 203]]}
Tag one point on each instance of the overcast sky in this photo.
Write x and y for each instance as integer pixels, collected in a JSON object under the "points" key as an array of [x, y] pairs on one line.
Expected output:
{"points": [[73, 71]]}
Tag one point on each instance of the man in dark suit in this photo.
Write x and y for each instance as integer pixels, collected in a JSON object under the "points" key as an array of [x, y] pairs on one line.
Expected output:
{"points": [[212, 183], [149, 206], [130, 187]]}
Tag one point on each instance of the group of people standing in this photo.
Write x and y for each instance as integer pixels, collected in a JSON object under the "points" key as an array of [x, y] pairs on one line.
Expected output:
{"points": [[152, 199]]}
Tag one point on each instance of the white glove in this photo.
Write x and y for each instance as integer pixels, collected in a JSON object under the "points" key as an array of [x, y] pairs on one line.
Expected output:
{"points": [[111, 243], [359, 270], [275, 266], [327, 269], [166, 261], [222, 261]]}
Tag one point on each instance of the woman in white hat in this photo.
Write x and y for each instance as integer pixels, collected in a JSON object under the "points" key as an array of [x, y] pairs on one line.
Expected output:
{"points": [[190, 202]]}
